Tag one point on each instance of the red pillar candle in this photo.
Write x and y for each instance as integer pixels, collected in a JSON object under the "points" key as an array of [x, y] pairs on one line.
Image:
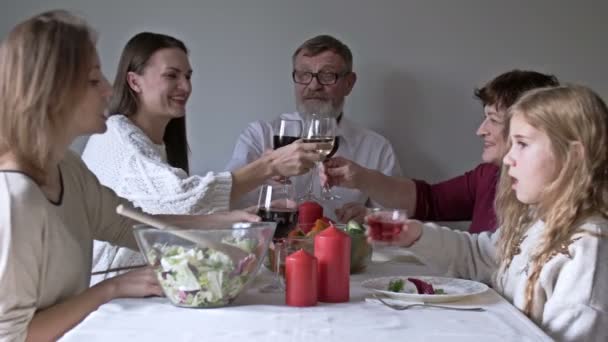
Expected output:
{"points": [[308, 213], [301, 279], [332, 249]]}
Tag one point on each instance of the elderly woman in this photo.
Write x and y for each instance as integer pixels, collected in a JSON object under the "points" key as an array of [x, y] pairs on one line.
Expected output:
{"points": [[468, 197]]}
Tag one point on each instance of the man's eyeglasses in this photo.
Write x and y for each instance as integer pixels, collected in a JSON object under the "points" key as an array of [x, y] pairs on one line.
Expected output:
{"points": [[323, 77]]}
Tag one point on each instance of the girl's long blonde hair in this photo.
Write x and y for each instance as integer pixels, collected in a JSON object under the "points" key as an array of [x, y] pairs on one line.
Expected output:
{"points": [[576, 121], [44, 67]]}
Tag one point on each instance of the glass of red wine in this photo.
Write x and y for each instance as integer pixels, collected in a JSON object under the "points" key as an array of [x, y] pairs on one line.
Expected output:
{"points": [[277, 203], [284, 133], [385, 224]]}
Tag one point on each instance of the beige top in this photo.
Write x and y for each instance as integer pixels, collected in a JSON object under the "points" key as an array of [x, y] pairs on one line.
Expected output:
{"points": [[45, 247]]}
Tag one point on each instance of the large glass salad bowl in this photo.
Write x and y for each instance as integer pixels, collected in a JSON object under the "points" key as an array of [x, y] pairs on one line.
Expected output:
{"points": [[197, 276]]}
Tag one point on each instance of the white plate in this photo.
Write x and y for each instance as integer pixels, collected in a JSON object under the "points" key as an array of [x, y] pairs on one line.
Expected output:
{"points": [[455, 289]]}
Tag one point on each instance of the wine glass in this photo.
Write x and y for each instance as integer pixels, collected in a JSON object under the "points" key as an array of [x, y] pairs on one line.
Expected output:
{"points": [[322, 130], [273, 263], [276, 204], [284, 133], [277, 254]]}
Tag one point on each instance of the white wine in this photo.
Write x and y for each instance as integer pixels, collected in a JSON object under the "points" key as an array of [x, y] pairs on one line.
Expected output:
{"points": [[326, 144]]}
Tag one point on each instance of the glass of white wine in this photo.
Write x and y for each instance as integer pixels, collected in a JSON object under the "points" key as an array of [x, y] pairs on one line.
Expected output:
{"points": [[321, 130]]}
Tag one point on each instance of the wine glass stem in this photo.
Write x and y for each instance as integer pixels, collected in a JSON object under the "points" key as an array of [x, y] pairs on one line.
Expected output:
{"points": [[309, 196], [280, 253], [326, 192], [286, 181], [312, 178]]}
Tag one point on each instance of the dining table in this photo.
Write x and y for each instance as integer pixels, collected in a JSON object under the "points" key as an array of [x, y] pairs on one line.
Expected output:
{"points": [[258, 315]]}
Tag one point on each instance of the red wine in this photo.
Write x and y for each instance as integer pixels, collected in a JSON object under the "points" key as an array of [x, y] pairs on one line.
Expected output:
{"points": [[280, 141], [384, 228], [286, 219]]}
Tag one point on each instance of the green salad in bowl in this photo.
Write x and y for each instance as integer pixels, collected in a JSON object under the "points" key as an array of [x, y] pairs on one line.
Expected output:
{"points": [[197, 276]]}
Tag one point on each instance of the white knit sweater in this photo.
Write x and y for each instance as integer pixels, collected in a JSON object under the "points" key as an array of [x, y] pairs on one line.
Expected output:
{"points": [[571, 294], [127, 161]]}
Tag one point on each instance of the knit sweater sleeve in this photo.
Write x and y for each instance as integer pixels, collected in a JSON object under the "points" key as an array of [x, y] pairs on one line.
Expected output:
{"points": [[463, 255], [158, 188], [575, 287]]}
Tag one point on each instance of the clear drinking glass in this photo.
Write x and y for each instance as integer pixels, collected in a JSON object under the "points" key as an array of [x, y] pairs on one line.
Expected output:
{"points": [[277, 254], [322, 130], [385, 224]]}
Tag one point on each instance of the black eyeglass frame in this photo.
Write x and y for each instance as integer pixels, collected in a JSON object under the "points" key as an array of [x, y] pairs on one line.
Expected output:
{"points": [[337, 76]]}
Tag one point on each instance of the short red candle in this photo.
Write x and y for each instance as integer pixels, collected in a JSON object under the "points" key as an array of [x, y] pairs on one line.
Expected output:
{"points": [[301, 279], [308, 213], [332, 249]]}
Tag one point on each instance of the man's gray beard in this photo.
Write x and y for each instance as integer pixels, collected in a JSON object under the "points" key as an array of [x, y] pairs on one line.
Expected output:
{"points": [[324, 109]]}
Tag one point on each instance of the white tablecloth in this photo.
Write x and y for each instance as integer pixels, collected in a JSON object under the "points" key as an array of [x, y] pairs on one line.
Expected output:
{"points": [[259, 316]]}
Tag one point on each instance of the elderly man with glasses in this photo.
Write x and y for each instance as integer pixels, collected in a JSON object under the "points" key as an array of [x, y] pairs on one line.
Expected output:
{"points": [[323, 77]]}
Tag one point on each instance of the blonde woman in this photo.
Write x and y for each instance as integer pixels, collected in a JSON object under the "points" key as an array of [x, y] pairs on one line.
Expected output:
{"points": [[549, 255], [51, 206]]}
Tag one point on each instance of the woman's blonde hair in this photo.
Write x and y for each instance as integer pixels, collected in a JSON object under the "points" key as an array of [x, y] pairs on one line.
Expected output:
{"points": [[44, 67], [576, 121]]}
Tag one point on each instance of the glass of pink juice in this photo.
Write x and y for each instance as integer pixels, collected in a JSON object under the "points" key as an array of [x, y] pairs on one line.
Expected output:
{"points": [[385, 224]]}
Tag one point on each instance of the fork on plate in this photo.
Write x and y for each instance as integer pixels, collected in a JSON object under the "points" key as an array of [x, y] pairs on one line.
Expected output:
{"points": [[401, 307]]}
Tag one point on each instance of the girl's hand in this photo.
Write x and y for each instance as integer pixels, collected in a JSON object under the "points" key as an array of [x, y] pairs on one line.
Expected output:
{"points": [[410, 233]]}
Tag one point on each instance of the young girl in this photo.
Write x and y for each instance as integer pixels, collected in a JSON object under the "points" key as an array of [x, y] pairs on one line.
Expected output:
{"points": [[549, 255], [143, 156], [51, 205]]}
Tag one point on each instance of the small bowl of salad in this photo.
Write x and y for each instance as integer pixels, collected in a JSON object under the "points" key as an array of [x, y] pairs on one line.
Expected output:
{"points": [[197, 276]]}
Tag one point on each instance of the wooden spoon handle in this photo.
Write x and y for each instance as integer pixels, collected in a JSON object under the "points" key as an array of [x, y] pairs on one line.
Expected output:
{"points": [[143, 218], [135, 215]]}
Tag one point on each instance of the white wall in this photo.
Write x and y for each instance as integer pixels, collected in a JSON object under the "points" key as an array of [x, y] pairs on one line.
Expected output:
{"points": [[417, 61]]}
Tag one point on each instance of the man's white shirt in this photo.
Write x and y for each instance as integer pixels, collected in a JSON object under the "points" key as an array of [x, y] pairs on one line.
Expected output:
{"points": [[361, 145]]}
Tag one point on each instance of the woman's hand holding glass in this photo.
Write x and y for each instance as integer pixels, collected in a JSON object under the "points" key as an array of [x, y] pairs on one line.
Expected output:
{"points": [[294, 159], [352, 211], [342, 172], [224, 218]]}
